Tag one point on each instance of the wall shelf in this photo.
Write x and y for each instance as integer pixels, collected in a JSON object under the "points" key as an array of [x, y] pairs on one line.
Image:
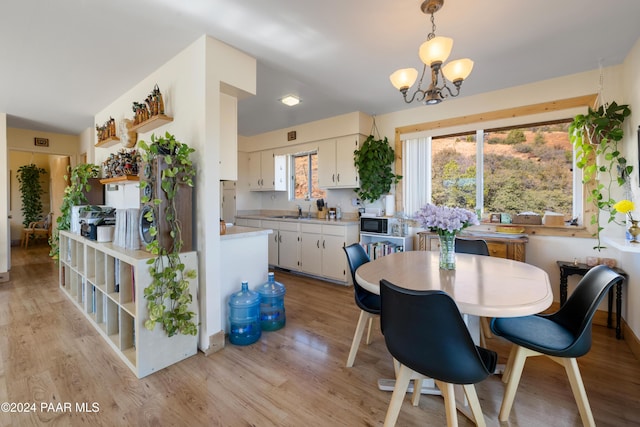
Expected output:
{"points": [[120, 179], [152, 123], [113, 140]]}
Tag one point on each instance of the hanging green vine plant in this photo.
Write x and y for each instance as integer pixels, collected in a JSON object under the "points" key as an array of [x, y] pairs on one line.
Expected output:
{"points": [[373, 161], [74, 195], [168, 297], [595, 137], [31, 192]]}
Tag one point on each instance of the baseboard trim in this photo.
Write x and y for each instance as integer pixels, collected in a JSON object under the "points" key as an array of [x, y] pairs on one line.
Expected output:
{"points": [[216, 343]]}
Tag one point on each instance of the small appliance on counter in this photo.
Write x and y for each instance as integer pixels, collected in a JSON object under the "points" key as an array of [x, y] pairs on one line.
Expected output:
{"points": [[93, 216]]}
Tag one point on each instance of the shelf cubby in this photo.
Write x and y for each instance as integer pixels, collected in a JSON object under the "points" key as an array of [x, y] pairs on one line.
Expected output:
{"points": [[89, 273]]}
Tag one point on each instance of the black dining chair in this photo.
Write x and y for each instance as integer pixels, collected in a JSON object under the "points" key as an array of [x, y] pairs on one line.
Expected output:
{"points": [[562, 336], [476, 247], [468, 246], [426, 335], [368, 302]]}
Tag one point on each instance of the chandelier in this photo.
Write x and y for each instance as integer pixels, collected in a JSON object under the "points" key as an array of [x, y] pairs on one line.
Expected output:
{"points": [[433, 53]]}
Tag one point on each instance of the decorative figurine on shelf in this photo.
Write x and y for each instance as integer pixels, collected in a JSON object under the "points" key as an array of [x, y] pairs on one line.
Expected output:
{"points": [[153, 105], [124, 162], [158, 99], [141, 112], [107, 130]]}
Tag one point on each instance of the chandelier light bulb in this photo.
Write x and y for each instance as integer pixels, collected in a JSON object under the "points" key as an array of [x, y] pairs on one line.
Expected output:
{"points": [[436, 50], [458, 70], [404, 78]]}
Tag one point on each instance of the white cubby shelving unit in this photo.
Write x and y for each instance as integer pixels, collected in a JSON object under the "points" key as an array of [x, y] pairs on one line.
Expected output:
{"points": [[106, 283], [377, 245]]}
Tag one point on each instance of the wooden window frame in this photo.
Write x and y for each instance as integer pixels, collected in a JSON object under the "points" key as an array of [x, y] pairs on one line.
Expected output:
{"points": [[584, 230]]}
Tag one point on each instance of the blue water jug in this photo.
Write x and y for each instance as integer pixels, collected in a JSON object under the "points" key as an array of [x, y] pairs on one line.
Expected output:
{"points": [[244, 316], [272, 315]]}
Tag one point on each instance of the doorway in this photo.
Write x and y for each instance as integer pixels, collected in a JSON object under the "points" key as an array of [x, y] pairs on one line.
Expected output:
{"points": [[53, 184]]}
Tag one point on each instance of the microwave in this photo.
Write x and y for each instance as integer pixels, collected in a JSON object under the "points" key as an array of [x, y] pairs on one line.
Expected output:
{"points": [[375, 225]]}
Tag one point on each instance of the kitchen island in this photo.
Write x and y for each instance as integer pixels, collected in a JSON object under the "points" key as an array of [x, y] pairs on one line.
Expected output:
{"points": [[244, 257]]}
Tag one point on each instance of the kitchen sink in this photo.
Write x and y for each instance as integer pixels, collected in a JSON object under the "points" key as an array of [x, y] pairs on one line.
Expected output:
{"points": [[289, 217]]}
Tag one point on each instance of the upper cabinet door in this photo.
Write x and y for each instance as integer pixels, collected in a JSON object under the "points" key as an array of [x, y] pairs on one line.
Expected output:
{"points": [[346, 172], [335, 162], [327, 163]]}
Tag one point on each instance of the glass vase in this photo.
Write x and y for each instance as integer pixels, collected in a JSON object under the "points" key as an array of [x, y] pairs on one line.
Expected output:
{"points": [[634, 230], [447, 251]]}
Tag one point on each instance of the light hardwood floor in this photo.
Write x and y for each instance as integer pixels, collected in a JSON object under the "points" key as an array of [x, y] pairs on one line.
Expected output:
{"points": [[292, 377]]}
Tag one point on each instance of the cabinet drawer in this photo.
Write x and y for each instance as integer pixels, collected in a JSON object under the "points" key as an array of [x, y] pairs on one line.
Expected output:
{"points": [[288, 226], [269, 224], [333, 230], [497, 249], [311, 228]]}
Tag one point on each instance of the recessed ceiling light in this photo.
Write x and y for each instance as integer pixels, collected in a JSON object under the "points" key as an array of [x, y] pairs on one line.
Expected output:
{"points": [[290, 100]]}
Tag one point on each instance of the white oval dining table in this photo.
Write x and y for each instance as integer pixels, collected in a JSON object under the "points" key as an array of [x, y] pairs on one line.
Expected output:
{"points": [[480, 285]]}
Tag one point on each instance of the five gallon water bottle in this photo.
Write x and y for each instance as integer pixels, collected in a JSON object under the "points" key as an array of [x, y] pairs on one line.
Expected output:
{"points": [[272, 316], [244, 316]]}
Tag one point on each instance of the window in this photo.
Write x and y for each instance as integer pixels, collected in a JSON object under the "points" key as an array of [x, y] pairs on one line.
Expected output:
{"points": [[517, 169], [304, 178]]}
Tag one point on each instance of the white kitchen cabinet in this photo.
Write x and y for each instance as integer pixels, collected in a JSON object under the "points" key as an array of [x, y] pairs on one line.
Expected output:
{"points": [[311, 249], [228, 137], [335, 162], [267, 171], [283, 244], [289, 246], [321, 252]]}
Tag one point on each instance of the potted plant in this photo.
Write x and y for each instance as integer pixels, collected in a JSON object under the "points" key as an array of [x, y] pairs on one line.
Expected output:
{"points": [[31, 192], [595, 137], [168, 297], [74, 195], [373, 161]]}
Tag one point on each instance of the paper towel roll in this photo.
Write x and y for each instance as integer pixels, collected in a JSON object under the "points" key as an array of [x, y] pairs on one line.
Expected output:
{"points": [[390, 205]]}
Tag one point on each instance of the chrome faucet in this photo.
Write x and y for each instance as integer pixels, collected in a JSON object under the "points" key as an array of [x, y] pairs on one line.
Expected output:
{"points": [[309, 211]]}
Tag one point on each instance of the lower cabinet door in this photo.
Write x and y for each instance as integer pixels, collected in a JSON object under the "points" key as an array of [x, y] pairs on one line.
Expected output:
{"points": [[288, 242], [334, 259], [311, 253]]}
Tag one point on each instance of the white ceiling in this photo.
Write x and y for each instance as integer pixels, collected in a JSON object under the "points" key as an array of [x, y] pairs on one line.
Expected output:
{"points": [[62, 61]]}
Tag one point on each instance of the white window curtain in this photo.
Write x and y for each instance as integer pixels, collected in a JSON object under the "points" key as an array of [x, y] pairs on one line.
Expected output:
{"points": [[416, 173]]}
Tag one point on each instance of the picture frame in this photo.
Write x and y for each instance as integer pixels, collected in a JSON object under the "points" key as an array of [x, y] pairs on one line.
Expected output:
{"points": [[495, 217], [41, 142]]}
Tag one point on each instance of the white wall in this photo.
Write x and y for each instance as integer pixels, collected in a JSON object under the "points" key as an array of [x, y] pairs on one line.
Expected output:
{"points": [[191, 83], [5, 243]]}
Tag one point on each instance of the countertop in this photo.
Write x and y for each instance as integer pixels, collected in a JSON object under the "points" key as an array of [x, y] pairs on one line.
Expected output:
{"points": [[240, 232], [346, 222]]}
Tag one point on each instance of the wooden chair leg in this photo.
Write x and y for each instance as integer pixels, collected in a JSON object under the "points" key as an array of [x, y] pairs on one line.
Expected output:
{"points": [[399, 391], [577, 387], [519, 358], [357, 337], [449, 396], [417, 390], [509, 365], [485, 328], [369, 331], [474, 404]]}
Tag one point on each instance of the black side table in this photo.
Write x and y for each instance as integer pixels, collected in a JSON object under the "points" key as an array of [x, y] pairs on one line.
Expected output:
{"points": [[569, 268]]}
